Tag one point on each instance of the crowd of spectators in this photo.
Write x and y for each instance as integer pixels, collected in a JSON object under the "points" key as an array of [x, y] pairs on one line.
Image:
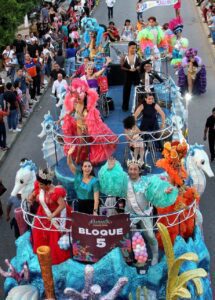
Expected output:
{"points": [[208, 14], [34, 60]]}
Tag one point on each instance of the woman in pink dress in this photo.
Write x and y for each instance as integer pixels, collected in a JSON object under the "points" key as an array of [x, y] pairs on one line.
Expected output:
{"points": [[82, 125]]}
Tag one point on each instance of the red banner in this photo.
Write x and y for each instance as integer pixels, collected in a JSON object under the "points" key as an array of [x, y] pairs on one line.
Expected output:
{"points": [[95, 236]]}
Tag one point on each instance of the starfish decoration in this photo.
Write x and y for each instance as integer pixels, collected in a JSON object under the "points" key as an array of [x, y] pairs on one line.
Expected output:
{"points": [[93, 291]]}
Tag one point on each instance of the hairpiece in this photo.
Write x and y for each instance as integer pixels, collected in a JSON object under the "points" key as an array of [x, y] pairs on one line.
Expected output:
{"points": [[46, 174], [135, 162]]}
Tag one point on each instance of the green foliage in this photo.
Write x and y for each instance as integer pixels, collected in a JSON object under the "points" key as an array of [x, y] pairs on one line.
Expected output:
{"points": [[12, 15]]}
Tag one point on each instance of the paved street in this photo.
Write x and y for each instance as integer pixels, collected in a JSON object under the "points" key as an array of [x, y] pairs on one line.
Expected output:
{"points": [[28, 145]]}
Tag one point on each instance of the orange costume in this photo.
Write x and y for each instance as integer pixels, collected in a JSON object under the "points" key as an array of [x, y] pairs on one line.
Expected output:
{"points": [[172, 163]]}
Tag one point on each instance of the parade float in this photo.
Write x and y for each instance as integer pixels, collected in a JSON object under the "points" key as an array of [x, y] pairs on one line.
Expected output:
{"points": [[146, 241]]}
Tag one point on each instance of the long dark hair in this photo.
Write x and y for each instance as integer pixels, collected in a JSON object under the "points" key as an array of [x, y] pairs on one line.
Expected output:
{"points": [[88, 161], [85, 103]]}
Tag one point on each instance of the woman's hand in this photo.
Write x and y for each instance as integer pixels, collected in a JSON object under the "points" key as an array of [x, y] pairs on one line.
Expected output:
{"points": [[71, 150], [162, 126], [168, 190], [50, 217], [111, 163], [95, 213]]}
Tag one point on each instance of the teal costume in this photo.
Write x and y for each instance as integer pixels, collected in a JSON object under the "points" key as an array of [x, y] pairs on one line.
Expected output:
{"points": [[85, 191], [113, 182]]}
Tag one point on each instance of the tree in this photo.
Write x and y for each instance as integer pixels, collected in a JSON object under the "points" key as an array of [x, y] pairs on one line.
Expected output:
{"points": [[12, 15]]}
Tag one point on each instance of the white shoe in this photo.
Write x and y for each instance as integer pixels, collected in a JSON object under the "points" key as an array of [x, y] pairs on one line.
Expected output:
{"points": [[17, 130]]}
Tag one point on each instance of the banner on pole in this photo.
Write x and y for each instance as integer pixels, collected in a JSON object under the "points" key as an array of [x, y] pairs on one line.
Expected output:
{"points": [[155, 3], [94, 236]]}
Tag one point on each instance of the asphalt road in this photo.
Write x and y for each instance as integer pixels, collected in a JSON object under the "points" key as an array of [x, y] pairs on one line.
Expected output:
{"points": [[28, 145]]}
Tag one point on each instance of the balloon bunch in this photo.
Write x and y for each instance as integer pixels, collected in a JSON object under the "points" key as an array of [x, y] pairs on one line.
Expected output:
{"points": [[139, 248]]}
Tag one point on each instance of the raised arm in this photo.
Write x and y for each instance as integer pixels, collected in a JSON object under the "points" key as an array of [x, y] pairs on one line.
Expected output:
{"points": [[70, 161], [99, 73]]}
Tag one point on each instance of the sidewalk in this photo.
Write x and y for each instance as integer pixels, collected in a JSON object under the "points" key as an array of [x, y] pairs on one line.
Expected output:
{"points": [[11, 137], [206, 30]]}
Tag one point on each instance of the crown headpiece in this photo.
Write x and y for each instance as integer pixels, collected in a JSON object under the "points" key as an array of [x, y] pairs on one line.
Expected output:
{"points": [[135, 162], [46, 175]]}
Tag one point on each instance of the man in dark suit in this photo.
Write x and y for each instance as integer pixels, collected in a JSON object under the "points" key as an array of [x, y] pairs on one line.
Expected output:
{"points": [[148, 76]]}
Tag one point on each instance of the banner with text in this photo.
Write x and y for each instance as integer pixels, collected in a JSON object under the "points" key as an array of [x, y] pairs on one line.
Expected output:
{"points": [[95, 236], [155, 3]]}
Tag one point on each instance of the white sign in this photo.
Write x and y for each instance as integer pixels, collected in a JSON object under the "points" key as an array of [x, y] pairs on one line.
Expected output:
{"points": [[154, 3]]}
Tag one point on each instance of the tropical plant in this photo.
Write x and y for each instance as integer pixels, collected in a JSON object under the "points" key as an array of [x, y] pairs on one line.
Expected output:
{"points": [[177, 284]]}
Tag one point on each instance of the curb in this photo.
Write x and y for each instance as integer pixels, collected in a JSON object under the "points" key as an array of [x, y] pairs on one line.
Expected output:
{"points": [[4, 154]]}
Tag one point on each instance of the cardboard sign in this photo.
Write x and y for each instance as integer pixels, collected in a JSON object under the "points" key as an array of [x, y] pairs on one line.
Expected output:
{"points": [[95, 236], [154, 3]]}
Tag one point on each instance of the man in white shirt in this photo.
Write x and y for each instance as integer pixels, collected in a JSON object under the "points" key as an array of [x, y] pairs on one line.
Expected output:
{"points": [[59, 85], [110, 5]]}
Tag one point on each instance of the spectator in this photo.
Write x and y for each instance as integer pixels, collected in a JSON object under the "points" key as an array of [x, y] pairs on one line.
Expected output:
{"points": [[2, 93], [210, 130], [211, 26], [86, 9], [70, 59], [10, 97], [56, 70], [110, 5], [60, 59], [112, 32], [10, 65], [58, 85], [33, 47], [20, 47], [44, 13], [52, 14], [33, 28], [3, 136], [21, 79], [127, 32], [2, 191], [48, 64], [8, 52], [65, 31], [139, 9], [18, 94], [42, 70], [31, 69]]}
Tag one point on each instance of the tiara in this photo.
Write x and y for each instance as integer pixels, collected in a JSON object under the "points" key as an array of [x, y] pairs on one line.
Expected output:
{"points": [[49, 176], [135, 162]]}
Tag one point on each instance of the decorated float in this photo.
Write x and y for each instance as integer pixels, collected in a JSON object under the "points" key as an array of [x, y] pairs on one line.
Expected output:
{"points": [[145, 241]]}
